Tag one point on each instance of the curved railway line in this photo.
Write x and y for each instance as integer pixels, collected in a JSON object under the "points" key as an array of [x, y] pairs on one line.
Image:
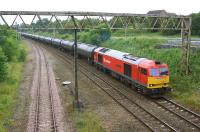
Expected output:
{"points": [[150, 121], [42, 114]]}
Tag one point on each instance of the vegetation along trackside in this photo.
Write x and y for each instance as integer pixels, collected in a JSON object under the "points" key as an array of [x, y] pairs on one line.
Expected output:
{"points": [[12, 57]]}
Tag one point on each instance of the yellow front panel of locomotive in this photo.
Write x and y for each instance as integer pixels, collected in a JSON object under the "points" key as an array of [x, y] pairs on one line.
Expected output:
{"points": [[158, 82]]}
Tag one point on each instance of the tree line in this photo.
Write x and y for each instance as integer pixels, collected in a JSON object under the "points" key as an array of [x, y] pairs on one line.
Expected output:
{"points": [[195, 23]]}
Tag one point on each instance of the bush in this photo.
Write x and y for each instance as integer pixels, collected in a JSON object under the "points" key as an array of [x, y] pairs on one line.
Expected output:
{"points": [[22, 55], [10, 49], [83, 37], [3, 66], [195, 23], [8, 43], [95, 36]]}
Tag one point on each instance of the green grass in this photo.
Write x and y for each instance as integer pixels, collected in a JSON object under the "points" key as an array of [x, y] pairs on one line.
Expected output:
{"points": [[141, 34], [8, 90], [87, 122]]}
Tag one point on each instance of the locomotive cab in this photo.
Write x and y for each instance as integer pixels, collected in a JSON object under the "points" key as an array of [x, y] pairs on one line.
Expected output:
{"points": [[156, 76]]}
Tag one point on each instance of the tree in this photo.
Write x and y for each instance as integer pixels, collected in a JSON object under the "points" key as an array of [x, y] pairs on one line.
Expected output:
{"points": [[95, 36], [9, 47], [195, 23]]}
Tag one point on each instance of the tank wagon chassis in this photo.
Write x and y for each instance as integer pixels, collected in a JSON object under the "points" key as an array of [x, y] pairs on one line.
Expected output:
{"points": [[149, 77]]}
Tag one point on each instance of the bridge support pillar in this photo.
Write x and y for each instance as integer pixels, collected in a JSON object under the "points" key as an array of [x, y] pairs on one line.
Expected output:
{"points": [[186, 41]]}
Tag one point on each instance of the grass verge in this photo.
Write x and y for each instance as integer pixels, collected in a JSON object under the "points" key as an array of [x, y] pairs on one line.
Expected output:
{"points": [[8, 92], [87, 122]]}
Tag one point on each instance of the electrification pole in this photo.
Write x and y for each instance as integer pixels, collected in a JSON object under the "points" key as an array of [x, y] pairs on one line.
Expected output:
{"points": [[76, 69], [75, 65]]}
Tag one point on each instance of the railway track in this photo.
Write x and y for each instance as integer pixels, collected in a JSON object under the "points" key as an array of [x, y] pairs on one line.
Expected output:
{"points": [[50, 94], [150, 121], [42, 114], [191, 119], [180, 111]]}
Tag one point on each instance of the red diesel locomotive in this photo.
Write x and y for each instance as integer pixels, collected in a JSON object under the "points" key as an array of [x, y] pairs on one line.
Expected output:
{"points": [[147, 76]]}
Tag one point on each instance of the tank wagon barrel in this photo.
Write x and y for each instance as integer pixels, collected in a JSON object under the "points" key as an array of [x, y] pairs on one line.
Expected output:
{"points": [[67, 45], [56, 42], [86, 50]]}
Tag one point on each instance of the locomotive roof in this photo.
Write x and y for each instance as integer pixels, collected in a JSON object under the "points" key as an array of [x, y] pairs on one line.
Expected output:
{"points": [[127, 57]]}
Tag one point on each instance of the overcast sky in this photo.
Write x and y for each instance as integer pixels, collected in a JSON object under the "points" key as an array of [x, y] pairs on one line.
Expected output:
{"points": [[184, 7], [180, 7]]}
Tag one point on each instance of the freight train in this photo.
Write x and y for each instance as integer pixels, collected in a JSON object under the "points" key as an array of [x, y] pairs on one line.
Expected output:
{"points": [[147, 76]]}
